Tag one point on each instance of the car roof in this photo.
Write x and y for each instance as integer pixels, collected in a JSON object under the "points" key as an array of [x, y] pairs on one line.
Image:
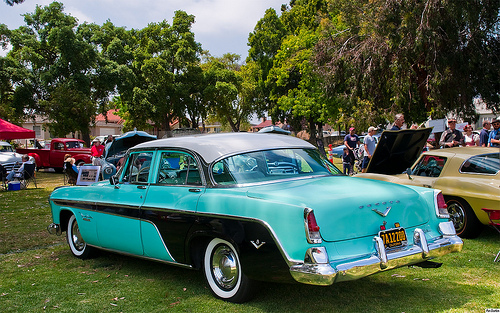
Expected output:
{"points": [[462, 152], [67, 139], [213, 146]]}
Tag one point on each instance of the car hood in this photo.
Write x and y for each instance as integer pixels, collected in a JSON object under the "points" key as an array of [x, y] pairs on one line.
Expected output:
{"points": [[10, 157], [397, 150], [346, 207], [127, 141]]}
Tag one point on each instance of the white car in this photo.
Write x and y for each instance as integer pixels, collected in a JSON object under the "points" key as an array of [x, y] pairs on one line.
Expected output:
{"points": [[8, 157]]}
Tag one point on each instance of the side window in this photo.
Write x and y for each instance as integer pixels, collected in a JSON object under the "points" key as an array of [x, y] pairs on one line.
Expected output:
{"points": [[137, 169], [488, 164], [430, 166], [59, 146], [177, 168]]}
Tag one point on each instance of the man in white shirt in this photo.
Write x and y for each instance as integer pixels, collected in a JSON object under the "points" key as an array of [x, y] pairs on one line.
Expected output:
{"points": [[369, 143], [26, 160]]}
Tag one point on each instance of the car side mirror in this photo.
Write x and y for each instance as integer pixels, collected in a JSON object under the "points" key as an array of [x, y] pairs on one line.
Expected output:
{"points": [[113, 180], [409, 172]]}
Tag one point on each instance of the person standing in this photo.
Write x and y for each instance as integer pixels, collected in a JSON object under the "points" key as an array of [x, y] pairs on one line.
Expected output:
{"points": [[351, 141], [399, 120], [369, 143], [346, 161], [451, 137], [484, 134], [470, 139], [96, 152], [494, 138]]}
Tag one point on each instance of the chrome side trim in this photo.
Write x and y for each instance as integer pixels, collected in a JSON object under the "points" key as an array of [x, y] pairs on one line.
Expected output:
{"points": [[286, 256], [143, 257], [361, 266]]}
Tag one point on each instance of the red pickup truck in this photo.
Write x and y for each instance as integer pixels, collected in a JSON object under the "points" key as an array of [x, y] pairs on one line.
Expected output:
{"points": [[53, 156]]}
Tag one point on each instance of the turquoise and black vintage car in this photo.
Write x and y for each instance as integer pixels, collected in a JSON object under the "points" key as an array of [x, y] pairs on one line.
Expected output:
{"points": [[247, 207]]}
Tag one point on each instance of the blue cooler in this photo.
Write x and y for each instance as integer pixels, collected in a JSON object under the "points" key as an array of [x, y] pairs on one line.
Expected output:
{"points": [[14, 185]]}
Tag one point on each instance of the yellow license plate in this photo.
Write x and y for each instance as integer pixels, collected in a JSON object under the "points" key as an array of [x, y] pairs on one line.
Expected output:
{"points": [[393, 237]]}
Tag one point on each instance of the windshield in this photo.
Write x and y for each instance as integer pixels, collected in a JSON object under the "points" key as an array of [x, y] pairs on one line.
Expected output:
{"points": [[262, 166], [6, 149]]}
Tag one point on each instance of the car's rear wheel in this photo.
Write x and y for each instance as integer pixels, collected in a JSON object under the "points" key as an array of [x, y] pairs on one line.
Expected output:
{"points": [[222, 269], [464, 219], [77, 245]]}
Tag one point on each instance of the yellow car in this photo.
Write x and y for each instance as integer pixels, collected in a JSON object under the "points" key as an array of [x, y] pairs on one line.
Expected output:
{"points": [[468, 177]]}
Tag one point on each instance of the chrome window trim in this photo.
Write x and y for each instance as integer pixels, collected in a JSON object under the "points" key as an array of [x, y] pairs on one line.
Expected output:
{"points": [[217, 185], [278, 243], [195, 156], [475, 173]]}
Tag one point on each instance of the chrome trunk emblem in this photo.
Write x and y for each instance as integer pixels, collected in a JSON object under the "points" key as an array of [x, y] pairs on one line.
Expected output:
{"points": [[383, 214]]}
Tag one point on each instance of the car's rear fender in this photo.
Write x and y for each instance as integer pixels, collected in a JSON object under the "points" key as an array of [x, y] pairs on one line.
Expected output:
{"points": [[260, 255]]}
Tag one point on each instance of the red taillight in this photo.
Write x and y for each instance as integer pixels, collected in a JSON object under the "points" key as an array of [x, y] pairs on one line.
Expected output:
{"points": [[442, 210], [440, 201], [311, 222], [312, 228]]}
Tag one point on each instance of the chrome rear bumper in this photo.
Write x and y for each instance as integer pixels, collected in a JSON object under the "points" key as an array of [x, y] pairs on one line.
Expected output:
{"points": [[317, 270]]}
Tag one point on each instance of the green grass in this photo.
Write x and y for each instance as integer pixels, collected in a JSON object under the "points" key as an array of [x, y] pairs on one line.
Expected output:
{"points": [[38, 273]]}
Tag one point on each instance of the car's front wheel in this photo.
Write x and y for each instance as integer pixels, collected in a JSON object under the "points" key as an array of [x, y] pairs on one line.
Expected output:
{"points": [[77, 245], [222, 268], [464, 219]]}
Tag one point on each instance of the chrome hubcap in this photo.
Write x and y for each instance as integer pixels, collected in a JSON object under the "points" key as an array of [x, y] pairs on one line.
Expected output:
{"points": [[77, 237], [225, 267], [457, 216]]}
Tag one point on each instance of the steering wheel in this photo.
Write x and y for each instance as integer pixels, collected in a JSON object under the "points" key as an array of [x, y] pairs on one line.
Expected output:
{"points": [[139, 174]]}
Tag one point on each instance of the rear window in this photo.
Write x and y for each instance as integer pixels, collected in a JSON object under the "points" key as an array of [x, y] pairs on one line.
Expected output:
{"points": [[271, 165], [488, 164]]}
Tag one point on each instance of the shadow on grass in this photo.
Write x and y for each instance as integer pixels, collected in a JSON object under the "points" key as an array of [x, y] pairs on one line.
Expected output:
{"points": [[384, 292]]}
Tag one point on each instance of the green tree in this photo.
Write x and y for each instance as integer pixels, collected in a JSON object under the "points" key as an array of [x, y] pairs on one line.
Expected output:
{"points": [[222, 89], [415, 57], [162, 54], [56, 60], [12, 2], [283, 49]]}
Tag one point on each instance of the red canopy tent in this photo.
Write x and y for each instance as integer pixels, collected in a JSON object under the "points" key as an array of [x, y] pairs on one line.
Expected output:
{"points": [[10, 131]]}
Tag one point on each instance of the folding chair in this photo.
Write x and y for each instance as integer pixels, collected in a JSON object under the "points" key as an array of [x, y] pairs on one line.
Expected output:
{"points": [[3, 175], [494, 216], [27, 176]]}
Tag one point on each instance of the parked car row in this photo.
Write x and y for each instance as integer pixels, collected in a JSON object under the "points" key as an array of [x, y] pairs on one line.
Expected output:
{"points": [[247, 207]]}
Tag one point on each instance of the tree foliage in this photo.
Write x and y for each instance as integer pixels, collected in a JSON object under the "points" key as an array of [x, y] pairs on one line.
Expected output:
{"points": [[12, 2], [418, 57]]}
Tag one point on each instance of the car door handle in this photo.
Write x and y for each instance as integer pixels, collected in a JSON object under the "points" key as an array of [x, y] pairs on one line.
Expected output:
{"points": [[194, 189], [141, 187], [427, 186]]}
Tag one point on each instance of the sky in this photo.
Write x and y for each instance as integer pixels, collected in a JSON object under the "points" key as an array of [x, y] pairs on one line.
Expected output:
{"points": [[221, 26]]}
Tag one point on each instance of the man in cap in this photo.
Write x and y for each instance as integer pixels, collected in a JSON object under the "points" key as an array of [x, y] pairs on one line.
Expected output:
{"points": [[96, 152], [494, 138], [451, 137], [369, 143]]}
